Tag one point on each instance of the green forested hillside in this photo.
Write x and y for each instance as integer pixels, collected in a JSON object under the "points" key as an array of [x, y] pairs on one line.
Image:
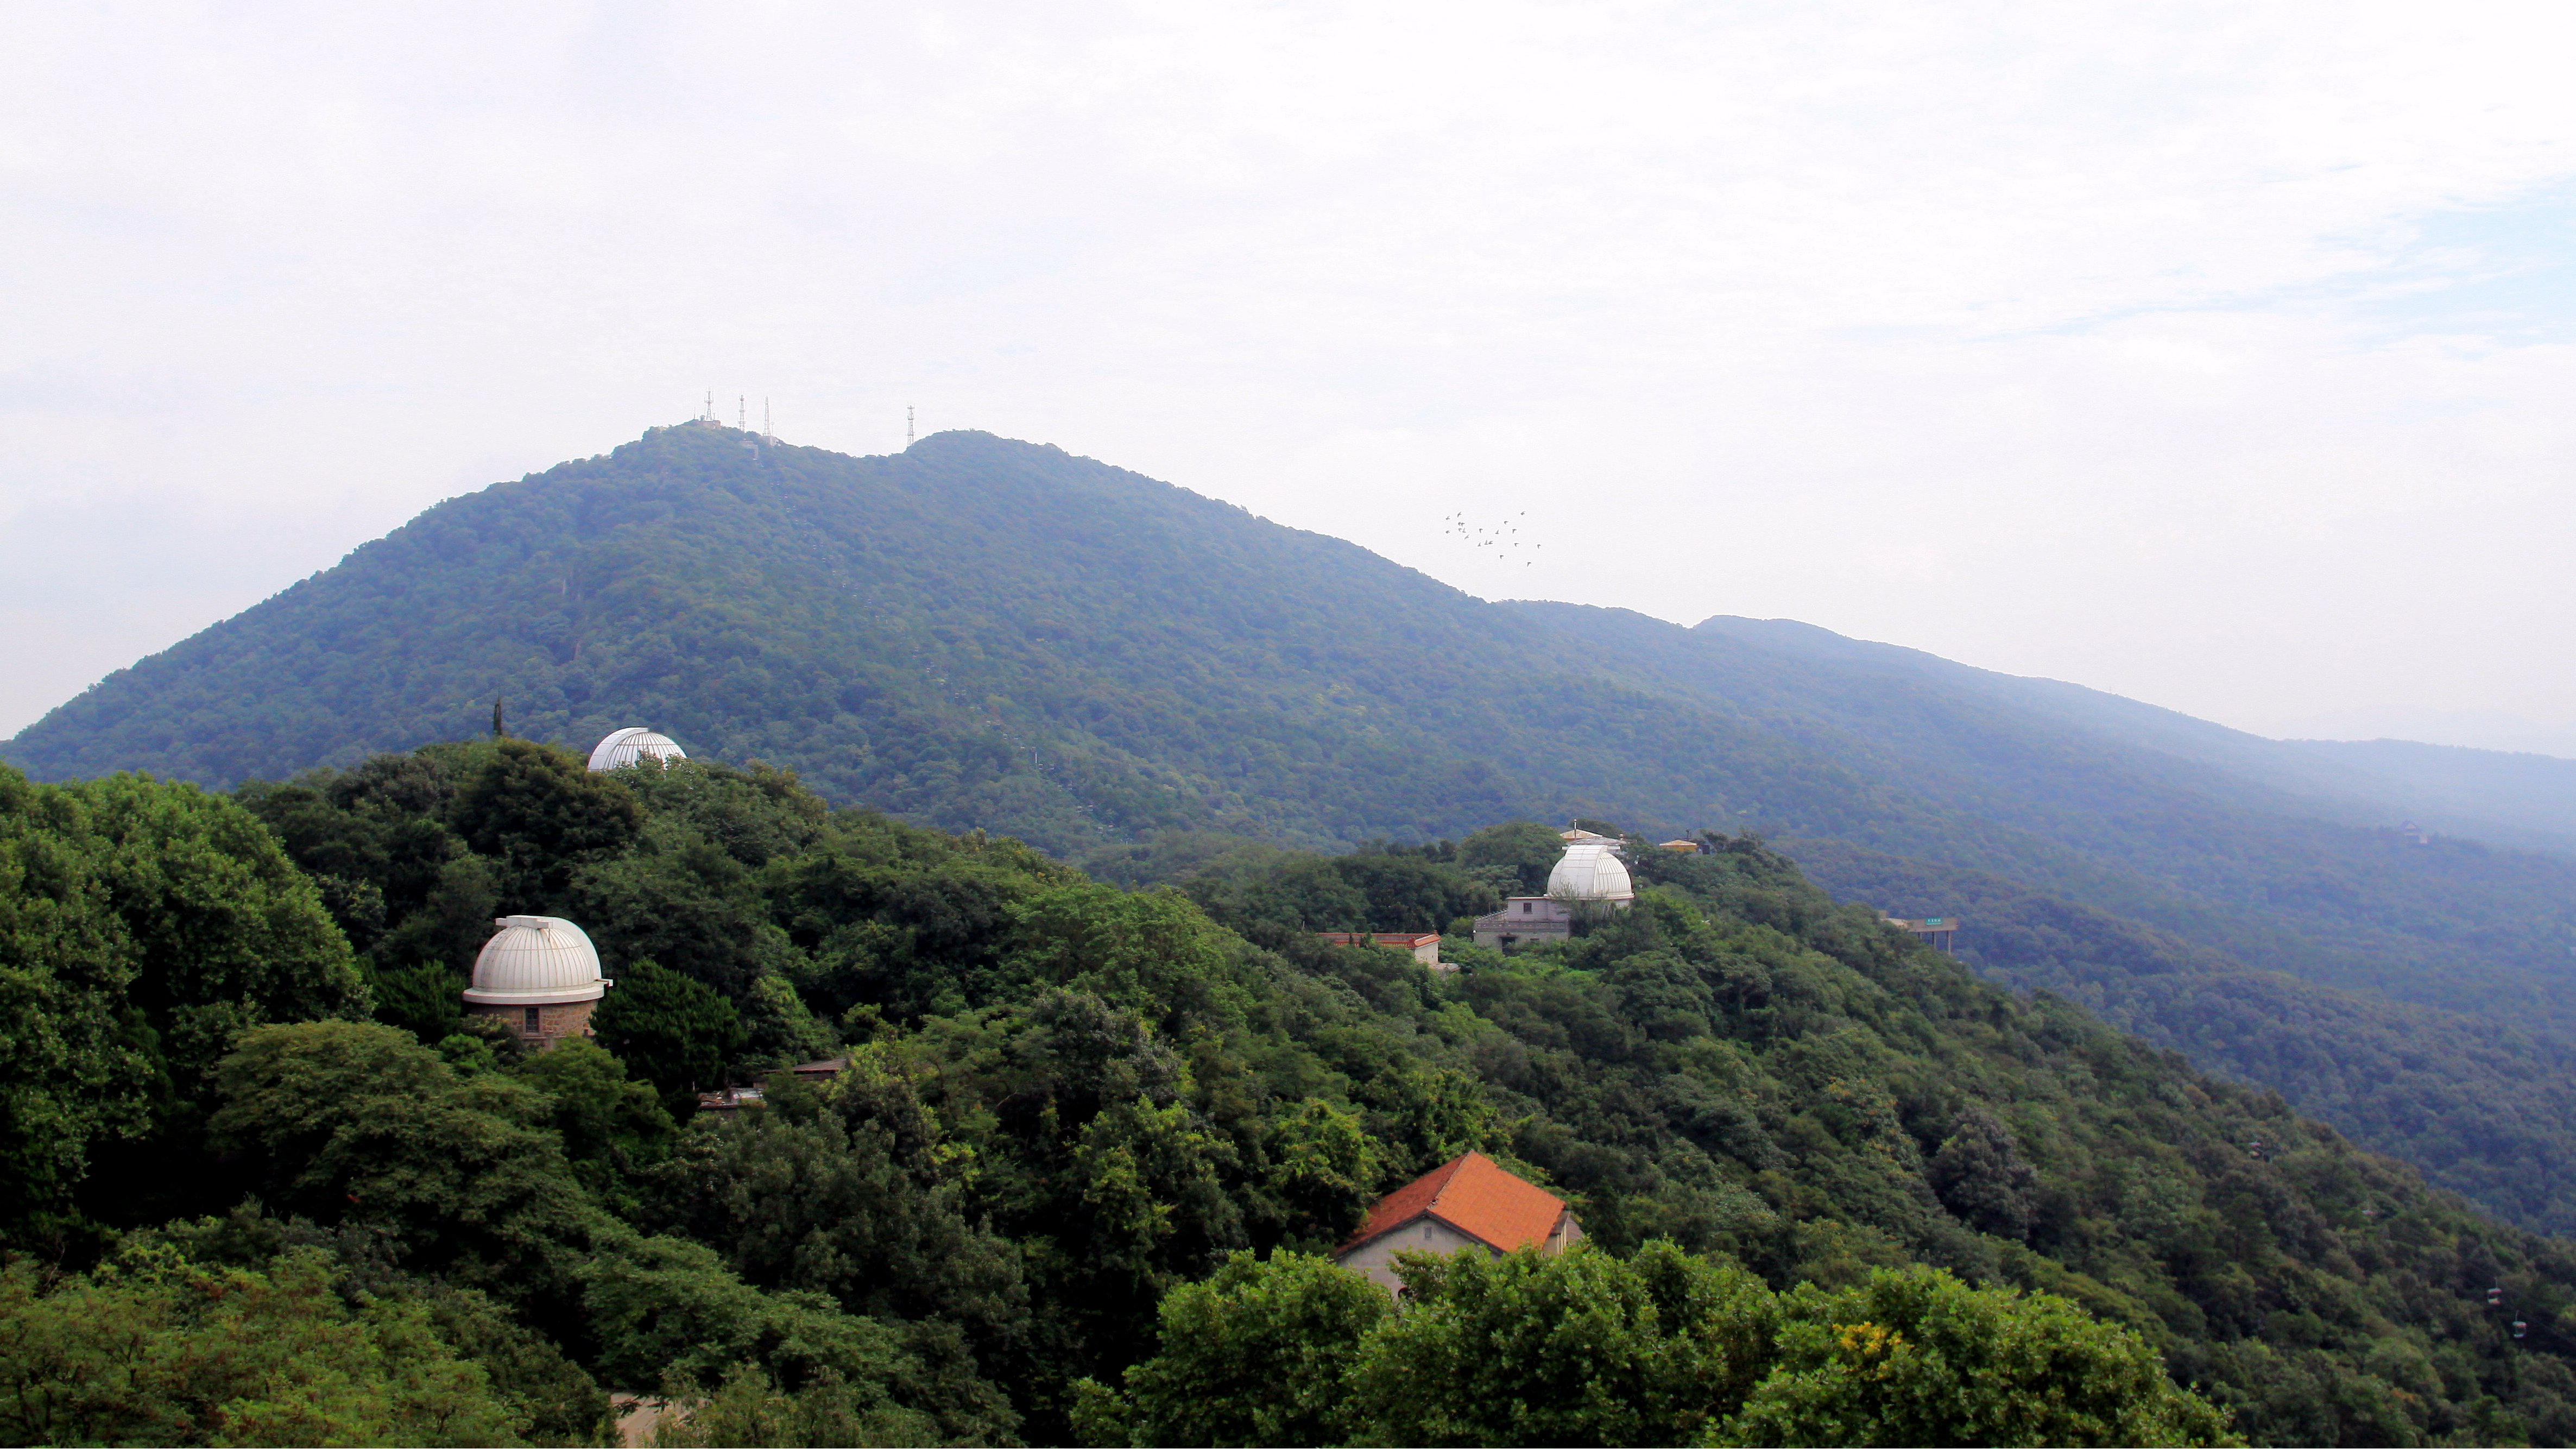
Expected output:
{"points": [[2217, 858], [1067, 1100], [975, 633], [979, 634], [2414, 994], [2482, 1103]]}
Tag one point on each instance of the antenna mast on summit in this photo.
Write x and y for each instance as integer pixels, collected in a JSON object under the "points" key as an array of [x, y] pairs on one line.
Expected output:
{"points": [[907, 425], [741, 413], [764, 421]]}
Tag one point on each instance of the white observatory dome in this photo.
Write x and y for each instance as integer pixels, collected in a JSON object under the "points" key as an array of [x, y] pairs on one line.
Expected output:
{"points": [[626, 746], [1591, 871], [536, 961]]}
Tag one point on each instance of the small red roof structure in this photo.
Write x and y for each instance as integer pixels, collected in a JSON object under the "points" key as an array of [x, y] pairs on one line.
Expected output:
{"points": [[1475, 1196]]}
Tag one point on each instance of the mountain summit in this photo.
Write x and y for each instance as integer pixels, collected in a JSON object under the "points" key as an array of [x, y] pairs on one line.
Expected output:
{"points": [[975, 632], [979, 633]]}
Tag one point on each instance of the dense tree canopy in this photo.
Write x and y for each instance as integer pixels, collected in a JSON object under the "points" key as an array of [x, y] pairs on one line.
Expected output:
{"points": [[1090, 1142], [1920, 1358], [2488, 1106], [158, 1349], [143, 926], [1258, 1353], [675, 1033], [1580, 1349], [71, 1070], [1659, 1348]]}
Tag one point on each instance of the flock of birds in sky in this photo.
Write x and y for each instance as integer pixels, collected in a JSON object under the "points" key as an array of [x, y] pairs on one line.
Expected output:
{"points": [[1502, 540]]}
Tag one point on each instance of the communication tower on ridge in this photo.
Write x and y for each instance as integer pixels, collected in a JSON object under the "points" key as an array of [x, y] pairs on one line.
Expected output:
{"points": [[708, 419], [907, 425]]}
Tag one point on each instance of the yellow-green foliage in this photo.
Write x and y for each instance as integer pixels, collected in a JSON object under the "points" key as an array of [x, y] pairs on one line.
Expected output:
{"points": [[155, 1349], [1917, 1357], [1660, 1348]]}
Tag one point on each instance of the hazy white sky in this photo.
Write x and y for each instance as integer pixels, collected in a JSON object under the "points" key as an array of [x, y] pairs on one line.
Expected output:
{"points": [[2219, 355]]}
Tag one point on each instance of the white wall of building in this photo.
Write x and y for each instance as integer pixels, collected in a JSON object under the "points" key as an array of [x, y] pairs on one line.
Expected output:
{"points": [[1375, 1259]]}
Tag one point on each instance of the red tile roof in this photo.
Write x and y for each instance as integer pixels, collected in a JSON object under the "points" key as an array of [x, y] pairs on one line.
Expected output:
{"points": [[1474, 1195]]}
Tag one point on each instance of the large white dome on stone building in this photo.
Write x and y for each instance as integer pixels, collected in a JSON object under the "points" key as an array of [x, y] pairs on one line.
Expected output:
{"points": [[1591, 871], [626, 746], [536, 961]]}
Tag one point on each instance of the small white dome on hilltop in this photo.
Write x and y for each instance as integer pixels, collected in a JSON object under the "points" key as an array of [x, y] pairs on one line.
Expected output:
{"points": [[536, 961], [626, 746], [1591, 871]]}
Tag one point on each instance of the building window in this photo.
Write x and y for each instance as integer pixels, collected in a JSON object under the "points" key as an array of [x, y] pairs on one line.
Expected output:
{"points": [[1525, 908], [532, 1020]]}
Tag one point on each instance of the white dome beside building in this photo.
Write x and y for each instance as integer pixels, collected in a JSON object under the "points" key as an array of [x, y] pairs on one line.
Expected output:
{"points": [[1591, 871], [624, 747], [1588, 876], [541, 974]]}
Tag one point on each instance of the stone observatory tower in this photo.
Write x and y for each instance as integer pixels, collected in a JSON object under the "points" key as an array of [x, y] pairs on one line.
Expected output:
{"points": [[541, 975]]}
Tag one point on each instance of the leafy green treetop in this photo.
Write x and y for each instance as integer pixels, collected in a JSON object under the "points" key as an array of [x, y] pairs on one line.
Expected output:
{"points": [[1664, 1347], [669, 1030], [612, 1127], [68, 1074], [1516, 857], [344, 1121], [226, 931], [539, 813], [1915, 1356], [160, 1350], [1579, 1348], [143, 925], [1256, 1354]]}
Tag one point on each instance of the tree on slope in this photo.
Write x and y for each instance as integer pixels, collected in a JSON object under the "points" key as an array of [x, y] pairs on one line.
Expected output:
{"points": [[671, 1031], [1918, 1357], [143, 926], [1579, 1348], [538, 813], [1661, 1348], [160, 1350], [1257, 1354], [68, 1075]]}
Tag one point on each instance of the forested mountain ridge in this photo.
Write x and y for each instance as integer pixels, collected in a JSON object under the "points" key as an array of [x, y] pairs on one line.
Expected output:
{"points": [[2260, 872], [2479, 1103], [986, 634], [976, 632], [2418, 995], [2522, 799], [1070, 1182]]}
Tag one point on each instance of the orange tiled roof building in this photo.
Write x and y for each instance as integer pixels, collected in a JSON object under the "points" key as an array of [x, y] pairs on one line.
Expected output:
{"points": [[1468, 1201]]}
